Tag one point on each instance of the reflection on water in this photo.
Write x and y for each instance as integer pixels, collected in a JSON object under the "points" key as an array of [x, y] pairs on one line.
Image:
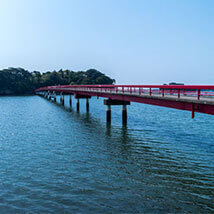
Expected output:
{"points": [[55, 160]]}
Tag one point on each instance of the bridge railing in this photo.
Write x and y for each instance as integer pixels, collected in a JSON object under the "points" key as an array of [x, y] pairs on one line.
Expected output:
{"points": [[178, 91]]}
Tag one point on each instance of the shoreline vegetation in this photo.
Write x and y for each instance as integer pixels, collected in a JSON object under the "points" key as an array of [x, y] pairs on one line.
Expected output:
{"points": [[18, 81]]}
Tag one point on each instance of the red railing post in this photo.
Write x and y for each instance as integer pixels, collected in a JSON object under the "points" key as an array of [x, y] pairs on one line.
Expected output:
{"points": [[162, 92], [199, 93], [179, 94], [150, 91]]}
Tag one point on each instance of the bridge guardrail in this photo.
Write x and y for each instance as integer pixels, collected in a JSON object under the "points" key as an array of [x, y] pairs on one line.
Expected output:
{"points": [[197, 91]]}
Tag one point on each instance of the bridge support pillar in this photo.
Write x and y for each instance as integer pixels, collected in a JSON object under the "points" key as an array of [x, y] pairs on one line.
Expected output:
{"points": [[63, 100], [46, 95], [108, 114], [78, 105], [193, 111], [70, 101], [110, 102], [124, 114], [87, 105], [54, 97], [60, 99], [79, 96], [49, 95]]}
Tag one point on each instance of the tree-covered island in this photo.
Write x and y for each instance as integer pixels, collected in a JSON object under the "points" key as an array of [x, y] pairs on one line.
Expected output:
{"points": [[18, 81]]}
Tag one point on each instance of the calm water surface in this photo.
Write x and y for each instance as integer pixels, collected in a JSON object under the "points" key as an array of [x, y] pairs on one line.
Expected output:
{"points": [[53, 160]]}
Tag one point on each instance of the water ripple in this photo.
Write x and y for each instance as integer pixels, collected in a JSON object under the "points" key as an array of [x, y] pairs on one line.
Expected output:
{"points": [[54, 160]]}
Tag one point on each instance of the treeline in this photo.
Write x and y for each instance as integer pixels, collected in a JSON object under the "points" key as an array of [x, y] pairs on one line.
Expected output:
{"points": [[21, 81]]}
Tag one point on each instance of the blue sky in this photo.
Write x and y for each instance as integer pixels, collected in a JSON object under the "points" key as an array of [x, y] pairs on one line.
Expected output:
{"points": [[133, 41]]}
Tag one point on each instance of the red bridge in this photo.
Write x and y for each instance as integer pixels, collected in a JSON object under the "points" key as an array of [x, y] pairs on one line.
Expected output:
{"points": [[194, 98]]}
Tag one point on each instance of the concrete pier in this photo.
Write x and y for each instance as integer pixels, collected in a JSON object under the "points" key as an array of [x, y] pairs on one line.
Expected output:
{"points": [[193, 98], [49, 96], [70, 101], [54, 97], [46, 95], [110, 102], [124, 114], [108, 114], [78, 105], [79, 96], [193, 111], [63, 100], [87, 105], [60, 99]]}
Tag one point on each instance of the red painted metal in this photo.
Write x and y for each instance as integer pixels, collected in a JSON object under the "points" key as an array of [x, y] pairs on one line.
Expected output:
{"points": [[198, 96], [194, 98], [207, 87], [179, 93]]}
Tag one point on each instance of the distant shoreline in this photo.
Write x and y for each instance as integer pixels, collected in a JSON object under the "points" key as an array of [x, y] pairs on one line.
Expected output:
{"points": [[18, 81]]}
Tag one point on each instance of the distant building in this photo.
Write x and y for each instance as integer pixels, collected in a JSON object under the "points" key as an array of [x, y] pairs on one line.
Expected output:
{"points": [[175, 83]]}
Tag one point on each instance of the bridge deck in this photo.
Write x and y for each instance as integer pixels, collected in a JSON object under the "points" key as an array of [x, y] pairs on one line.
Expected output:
{"points": [[191, 98], [174, 97]]}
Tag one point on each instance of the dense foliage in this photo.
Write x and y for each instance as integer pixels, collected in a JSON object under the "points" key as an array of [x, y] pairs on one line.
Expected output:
{"points": [[21, 81]]}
